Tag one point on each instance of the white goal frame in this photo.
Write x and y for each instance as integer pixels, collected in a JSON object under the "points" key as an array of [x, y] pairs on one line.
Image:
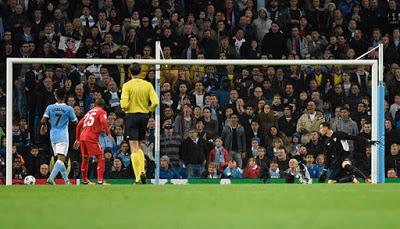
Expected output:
{"points": [[378, 131]]}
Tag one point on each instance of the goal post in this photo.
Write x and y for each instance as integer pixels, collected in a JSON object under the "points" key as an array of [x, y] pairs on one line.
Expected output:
{"points": [[377, 167]]}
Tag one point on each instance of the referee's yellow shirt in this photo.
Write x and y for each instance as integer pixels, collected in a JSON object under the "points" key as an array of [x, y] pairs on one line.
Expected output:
{"points": [[138, 96]]}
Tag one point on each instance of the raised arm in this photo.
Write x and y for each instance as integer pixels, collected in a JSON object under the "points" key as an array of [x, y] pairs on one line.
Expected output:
{"points": [[345, 136]]}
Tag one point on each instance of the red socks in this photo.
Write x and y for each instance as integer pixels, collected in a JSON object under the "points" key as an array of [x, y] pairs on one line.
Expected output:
{"points": [[84, 169], [100, 168]]}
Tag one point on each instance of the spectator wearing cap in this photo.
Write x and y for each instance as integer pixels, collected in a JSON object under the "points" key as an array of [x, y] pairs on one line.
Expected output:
{"points": [[194, 153], [273, 43], [234, 138], [295, 145], [165, 171], [170, 143]]}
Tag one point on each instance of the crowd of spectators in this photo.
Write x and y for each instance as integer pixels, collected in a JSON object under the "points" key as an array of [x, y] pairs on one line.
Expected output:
{"points": [[217, 121]]}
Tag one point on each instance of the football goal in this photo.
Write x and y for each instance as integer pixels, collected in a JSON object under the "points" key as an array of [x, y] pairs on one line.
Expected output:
{"points": [[377, 94]]}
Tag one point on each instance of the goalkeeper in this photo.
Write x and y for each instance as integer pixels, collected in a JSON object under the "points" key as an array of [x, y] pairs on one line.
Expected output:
{"points": [[338, 157]]}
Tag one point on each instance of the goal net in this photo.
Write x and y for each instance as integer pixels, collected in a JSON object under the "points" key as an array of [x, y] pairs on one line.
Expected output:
{"points": [[241, 105]]}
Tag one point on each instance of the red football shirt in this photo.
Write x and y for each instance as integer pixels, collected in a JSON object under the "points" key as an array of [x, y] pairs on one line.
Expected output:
{"points": [[91, 126]]}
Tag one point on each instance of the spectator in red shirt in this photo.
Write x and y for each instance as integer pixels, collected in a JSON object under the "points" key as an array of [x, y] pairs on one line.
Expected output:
{"points": [[252, 170]]}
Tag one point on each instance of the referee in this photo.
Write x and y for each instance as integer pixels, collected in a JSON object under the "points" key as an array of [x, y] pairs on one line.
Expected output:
{"points": [[138, 99]]}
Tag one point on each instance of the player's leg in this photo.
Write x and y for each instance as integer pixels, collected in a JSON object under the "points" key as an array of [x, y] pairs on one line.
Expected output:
{"points": [[56, 169], [96, 149], [62, 151], [346, 179], [85, 163], [346, 164], [335, 174]]}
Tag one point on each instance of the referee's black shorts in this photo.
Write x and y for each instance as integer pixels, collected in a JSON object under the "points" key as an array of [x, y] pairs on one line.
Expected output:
{"points": [[136, 126]]}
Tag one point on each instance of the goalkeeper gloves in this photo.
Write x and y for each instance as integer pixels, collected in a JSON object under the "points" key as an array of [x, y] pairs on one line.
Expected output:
{"points": [[371, 142]]}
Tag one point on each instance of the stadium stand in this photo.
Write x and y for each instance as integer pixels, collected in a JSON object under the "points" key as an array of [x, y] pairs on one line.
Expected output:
{"points": [[230, 121]]}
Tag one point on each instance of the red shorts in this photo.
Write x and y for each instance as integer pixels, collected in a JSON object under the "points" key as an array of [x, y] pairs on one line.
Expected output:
{"points": [[90, 148]]}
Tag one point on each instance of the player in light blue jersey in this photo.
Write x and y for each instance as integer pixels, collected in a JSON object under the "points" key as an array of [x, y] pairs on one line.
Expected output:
{"points": [[60, 114]]}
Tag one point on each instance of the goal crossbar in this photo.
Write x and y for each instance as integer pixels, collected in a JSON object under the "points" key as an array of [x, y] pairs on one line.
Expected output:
{"points": [[241, 62], [377, 115]]}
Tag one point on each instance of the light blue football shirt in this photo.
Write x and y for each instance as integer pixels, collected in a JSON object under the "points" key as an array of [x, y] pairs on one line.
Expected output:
{"points": [[60, 114]]}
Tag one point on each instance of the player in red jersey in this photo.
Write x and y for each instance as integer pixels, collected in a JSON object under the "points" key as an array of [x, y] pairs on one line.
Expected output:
{"points": [[88, 131]]}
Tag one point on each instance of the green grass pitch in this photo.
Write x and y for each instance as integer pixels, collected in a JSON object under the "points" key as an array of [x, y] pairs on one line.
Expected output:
{"points": [[201, 206]]}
